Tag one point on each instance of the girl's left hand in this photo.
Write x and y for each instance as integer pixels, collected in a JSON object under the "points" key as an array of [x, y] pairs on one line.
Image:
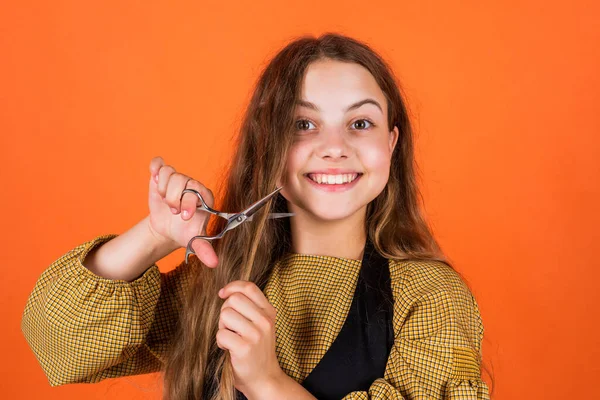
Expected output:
{"points": [[247, 330]]}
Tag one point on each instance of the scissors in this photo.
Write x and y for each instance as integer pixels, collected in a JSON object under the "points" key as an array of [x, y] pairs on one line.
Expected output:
{"points": [[233, 220]]}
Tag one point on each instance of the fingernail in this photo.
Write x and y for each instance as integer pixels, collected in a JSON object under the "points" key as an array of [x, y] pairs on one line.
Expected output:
{"points": [[156, 178], [221, 292], [173, 210], [185, 214]]}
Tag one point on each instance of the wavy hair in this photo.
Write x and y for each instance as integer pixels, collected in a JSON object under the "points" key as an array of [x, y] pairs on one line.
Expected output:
{"points": [[196, 368]]}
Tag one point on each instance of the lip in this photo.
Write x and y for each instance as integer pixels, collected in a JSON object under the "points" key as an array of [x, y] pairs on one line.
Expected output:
{"points": [[334, 171], [334, 188]]}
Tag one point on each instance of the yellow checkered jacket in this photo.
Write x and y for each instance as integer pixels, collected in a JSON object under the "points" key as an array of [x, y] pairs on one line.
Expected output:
{"points": [[85, 328]]}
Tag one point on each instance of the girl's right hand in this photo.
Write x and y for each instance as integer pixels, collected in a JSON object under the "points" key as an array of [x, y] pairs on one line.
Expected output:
{"points": [[176, 221]]}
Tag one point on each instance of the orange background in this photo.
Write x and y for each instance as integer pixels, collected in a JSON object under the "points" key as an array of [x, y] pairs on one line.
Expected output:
{"points": [[505, 100]]}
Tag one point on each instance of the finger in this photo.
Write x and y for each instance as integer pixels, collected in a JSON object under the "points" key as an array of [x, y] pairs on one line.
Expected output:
{"points": [[190, 201], [174, 188], [205, 253], [236, 322], [249, 289], [247, 308], [231, 341], [153, 189], [155, 165], [164, 175]]}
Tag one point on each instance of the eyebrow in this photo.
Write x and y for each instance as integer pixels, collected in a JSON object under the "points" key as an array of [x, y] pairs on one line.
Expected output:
{"points": [[354, 106]]}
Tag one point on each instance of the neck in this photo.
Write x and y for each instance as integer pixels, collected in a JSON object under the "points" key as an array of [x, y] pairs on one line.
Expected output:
{"points": [[340, 238]]}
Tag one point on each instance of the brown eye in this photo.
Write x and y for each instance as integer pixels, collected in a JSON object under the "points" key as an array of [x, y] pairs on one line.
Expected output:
{"points": [[303, 124], [361, 123]]}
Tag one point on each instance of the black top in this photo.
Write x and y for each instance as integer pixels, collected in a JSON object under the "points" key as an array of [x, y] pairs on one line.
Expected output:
{"points": [[358, 355]]}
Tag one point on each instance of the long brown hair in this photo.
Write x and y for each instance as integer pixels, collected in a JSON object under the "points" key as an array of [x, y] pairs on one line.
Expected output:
{"points": [[395, 223]]}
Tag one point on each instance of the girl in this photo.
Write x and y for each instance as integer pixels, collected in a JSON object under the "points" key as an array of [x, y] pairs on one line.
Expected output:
{"points": [[350, 298]]}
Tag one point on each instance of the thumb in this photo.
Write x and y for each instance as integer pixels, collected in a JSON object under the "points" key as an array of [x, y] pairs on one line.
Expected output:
{"points": [[205, 253]]}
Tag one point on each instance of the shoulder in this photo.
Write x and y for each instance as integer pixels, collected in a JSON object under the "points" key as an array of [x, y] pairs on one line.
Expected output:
{"points": [[417, 278], [432, 291]]}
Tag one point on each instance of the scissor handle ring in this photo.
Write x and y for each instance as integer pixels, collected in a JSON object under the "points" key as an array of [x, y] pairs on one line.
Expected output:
{"points": [[189, 250]]}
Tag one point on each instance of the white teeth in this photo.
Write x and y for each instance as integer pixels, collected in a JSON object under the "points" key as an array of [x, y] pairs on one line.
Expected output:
{"points": [[333, 179]]}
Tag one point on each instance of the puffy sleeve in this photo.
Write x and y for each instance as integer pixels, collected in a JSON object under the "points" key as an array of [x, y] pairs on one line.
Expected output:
{"points": [[438, 333], [85, 328]]}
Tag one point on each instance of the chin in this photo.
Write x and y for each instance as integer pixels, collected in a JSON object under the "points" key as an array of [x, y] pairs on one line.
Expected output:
{"points": [[333, 213]]}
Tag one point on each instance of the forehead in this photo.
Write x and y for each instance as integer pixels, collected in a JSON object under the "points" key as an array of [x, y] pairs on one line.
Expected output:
{"points": [[334, 85]]}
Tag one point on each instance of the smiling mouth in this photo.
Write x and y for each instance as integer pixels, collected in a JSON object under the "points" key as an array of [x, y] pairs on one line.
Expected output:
{"points": [[338, 179]]}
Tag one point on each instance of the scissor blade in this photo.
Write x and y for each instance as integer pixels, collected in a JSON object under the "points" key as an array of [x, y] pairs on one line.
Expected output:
{"points": [[275, 215], [259, 204], [280, 215], [227, 215]]}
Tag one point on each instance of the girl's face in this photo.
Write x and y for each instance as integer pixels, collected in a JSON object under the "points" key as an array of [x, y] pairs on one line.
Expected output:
{"points": [[340, 158]]}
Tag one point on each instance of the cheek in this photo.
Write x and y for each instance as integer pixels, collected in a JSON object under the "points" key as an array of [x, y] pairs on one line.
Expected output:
{"points": [[297, 158], [376, 157], [294, 166]]}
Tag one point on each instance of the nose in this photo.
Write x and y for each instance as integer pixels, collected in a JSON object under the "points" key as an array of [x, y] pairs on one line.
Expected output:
{"points": [[333, 144]]}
